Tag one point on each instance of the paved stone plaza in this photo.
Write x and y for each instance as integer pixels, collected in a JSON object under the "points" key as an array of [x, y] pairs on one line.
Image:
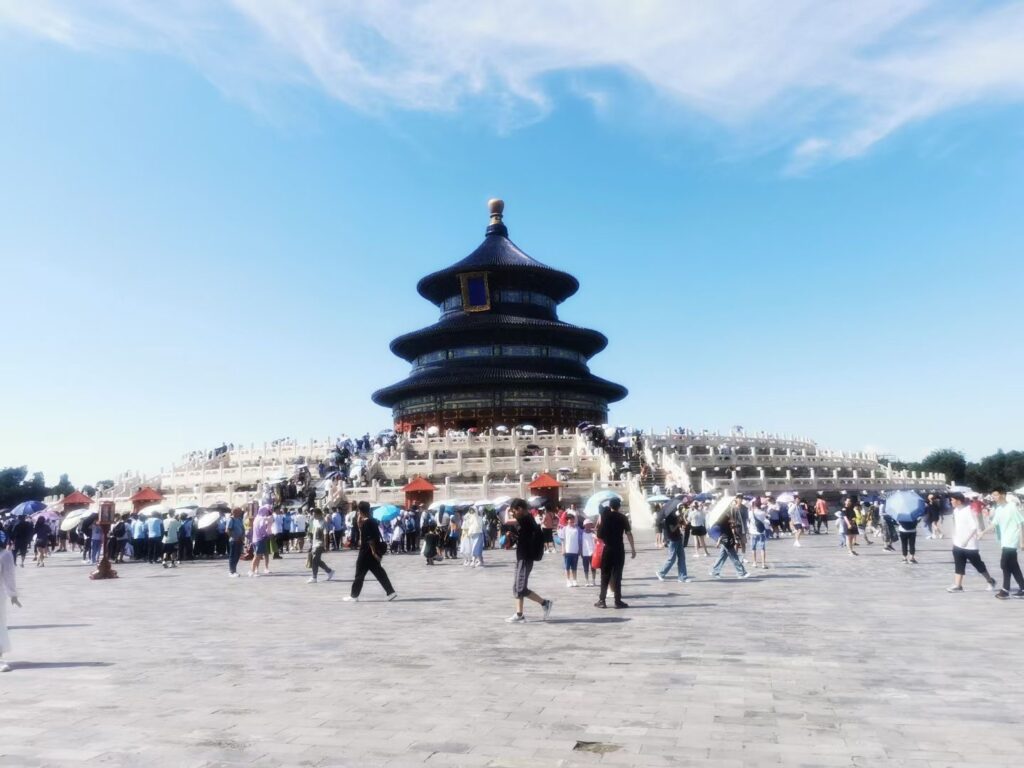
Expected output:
{"points": [[825, 660]]}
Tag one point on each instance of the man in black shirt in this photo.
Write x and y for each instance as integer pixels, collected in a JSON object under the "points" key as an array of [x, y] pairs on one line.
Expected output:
{"points": [[676, 547], [370, 551], [529, 543], [611, 526]]}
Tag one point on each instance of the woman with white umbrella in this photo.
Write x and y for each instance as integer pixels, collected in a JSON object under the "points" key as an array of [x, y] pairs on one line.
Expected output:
{"points": [[10, 589]]}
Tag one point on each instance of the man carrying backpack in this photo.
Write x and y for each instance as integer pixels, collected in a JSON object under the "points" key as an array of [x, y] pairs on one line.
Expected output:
{"points": [[371, 550], [529, 548]]}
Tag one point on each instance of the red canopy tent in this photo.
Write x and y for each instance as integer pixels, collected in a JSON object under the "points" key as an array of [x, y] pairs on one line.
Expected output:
{"points": [[419, 491], [144, 498], [75, 500], [548, 487]]}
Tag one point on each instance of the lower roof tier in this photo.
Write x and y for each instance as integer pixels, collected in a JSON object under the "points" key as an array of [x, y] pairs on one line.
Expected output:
{"points": [[446, 381]]}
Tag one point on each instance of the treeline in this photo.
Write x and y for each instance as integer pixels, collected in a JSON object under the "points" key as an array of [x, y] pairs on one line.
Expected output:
{"points": [[1002, 468], [17, 486]]}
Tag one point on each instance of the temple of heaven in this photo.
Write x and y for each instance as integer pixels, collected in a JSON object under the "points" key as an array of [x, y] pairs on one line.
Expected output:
{"points": [[499, 355]]}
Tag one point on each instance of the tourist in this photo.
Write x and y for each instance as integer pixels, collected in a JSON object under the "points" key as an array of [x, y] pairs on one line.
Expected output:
{"points": [[798, 517], [933, 517], [571, 549], [966, 530], [848, 525], [171, 529], [673, 538], [371, 549], [820, 514], [612, 525], [185, 551], [588, 544], [319, 534], [430, 542], [727, 543], [42, 544], [1007, 519], [548, 521], [530, 546], [10, 589], [117, 538], [154, 537], [95, 543], [697, 519], [262, 536], [21, 535], [138, 536], [234, 529], [473, 535], [759, 526], [338, 528], [908, 538]]}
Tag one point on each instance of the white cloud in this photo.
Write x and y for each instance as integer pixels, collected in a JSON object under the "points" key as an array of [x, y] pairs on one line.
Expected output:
{"points": [[829, 78]]}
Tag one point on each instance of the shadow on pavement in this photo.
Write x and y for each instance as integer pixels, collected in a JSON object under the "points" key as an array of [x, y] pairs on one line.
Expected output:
{"points": [[57, 664], [594, 620], [49, 626]]}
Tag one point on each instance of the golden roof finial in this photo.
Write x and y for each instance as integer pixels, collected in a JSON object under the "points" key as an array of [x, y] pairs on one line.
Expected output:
{"points": [[497, 208]]}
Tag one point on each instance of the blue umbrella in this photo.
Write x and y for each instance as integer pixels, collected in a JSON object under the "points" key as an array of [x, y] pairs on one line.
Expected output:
{"points": [[904, 507], [598, 500], [386, 512], [28, 508]]}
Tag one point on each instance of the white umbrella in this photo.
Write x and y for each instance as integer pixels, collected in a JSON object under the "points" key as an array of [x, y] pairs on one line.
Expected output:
{"points": [[527, 428], [785, 498], [501, 501], [208, 519], [71, 519], [433, 432], [155, 510], [501, 428]]}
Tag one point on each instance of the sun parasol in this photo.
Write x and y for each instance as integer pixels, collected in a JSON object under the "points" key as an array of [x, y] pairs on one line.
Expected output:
{"points": [[592, 509], [386, 512], [208, 519]]}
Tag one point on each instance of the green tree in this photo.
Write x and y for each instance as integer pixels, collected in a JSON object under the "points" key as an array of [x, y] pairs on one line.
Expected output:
{"points": [[948, 462], [89, 491], [63, 487]]}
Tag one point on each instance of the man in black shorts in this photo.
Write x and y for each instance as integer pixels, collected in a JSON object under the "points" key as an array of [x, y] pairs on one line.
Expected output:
{"points": [[529, 542]]}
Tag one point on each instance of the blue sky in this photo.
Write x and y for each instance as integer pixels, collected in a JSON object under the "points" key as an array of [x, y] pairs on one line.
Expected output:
{"points": [[214, 216]]}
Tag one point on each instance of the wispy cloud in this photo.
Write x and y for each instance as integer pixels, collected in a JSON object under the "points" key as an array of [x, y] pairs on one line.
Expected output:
{"points": [[830, 79]]}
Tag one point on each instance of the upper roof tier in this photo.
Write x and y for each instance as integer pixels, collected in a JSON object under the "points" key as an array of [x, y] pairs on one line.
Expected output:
{"points": [[498, 254]]}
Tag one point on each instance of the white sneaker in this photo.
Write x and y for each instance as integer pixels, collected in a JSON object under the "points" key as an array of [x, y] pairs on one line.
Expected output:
{"points": [[745, 575], [797, 544], [515, 618], [568, 585], [330, 576], [660, 577], [391, 597], [349, 599], [311, 580], [4, 667], [574, 583], [232, 575]]}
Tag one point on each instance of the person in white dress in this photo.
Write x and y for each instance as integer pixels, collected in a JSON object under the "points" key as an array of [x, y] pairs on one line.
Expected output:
{"points": [[10, 589]]}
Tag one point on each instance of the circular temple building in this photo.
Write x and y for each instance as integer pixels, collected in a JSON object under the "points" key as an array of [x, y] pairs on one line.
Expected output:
{"points": [[499, 354]]}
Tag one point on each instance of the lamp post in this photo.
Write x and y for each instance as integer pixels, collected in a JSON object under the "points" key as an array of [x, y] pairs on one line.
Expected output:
{"points": [[105, 521]]}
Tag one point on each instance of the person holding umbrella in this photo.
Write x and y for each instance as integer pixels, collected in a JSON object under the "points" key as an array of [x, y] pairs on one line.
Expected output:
{"points": [[10, 589], [371, 549]]}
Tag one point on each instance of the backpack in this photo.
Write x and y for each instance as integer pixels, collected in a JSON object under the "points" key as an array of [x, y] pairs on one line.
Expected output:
{"points": [[538, 545]]}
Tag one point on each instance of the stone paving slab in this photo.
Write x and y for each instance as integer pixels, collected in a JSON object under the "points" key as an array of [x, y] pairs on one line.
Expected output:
{"points": [[823, 660]]}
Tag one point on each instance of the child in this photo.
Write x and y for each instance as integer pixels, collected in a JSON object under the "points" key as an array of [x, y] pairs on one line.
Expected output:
{"points": [[571, 549], [430, 541], [588, 543]]}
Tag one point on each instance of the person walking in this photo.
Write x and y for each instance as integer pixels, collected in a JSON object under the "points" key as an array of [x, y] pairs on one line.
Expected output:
{"points": [[966, 530], [588, 544], [1009, 522], [759, 526], [262, 535], [820, 514], [530, 546], [371, 549], [171, 529], [473, 538], [318, 531], [9, 586], [848, 524], [727, 544], [612, 525], [571, 544], [907, 531], [673, 537], [42, 545], [235, 531]]}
